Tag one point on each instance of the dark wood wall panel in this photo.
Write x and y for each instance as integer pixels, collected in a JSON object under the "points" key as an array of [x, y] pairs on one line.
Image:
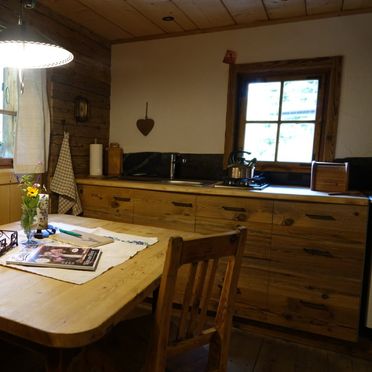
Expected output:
{"points": [[88, 76]]}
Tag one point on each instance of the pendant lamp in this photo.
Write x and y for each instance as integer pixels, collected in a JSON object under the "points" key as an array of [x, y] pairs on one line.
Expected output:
{"points": [[21, 48]]}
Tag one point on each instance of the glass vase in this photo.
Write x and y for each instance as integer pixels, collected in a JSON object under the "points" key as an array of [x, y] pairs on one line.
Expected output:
{"points": [[28, 226]]}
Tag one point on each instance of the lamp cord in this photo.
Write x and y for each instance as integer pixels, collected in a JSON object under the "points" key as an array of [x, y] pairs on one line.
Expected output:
{"points": [[20, 14]]}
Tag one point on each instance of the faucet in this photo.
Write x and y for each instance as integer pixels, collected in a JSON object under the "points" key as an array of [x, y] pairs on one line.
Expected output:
{"points": [[174, 159]]}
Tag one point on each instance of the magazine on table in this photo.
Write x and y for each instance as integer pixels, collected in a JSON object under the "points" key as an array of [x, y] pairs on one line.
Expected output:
{"points": [[78, 258]]}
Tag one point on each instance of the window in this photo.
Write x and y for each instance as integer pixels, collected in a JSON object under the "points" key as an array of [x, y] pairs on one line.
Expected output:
{"points": [[284, 113], [8, 114]]}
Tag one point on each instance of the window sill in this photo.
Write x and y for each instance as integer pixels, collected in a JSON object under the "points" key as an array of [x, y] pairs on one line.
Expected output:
{"points": [[6, 163], [283, 167]]}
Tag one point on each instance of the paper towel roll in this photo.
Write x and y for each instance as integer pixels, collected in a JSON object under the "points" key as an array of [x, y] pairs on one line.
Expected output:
{"points": [[95, 159]]}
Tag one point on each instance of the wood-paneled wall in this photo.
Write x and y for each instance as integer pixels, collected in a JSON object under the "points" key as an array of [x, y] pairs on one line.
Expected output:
{"points": [[88, 76]]}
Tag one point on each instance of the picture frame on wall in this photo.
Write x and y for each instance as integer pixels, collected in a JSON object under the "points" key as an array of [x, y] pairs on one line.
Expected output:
{"points": [[81, 109]]}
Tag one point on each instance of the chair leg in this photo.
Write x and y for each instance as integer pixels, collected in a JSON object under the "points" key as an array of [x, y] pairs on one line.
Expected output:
{"points": [[218, 355]]}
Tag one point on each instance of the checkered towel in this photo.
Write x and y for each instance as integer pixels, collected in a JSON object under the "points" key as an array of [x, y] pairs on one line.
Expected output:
{"points": [[63, 182]]}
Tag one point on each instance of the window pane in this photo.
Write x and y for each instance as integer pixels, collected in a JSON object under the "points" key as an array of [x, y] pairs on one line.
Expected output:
{"points": [[263, 101], [1, 107], [8, 133], [8, 102], [1, 88], [260, 140], [296, 142], [300, 100]]}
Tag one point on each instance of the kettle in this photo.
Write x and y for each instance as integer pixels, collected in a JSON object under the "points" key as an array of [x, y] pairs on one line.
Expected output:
{"points": [[239, 167]]}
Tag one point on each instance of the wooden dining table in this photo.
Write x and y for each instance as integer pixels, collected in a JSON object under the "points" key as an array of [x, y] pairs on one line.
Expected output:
{"points": [[56, 316]]}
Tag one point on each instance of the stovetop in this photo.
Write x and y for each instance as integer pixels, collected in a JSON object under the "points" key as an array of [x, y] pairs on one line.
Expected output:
{"points": [[255, 183]]}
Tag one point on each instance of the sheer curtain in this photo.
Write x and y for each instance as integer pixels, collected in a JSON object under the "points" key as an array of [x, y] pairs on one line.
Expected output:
{"points": [[32, 136]]}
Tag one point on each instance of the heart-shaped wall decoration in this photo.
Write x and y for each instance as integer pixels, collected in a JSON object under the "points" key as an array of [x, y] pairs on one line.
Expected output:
{"points": [[145, 125]]}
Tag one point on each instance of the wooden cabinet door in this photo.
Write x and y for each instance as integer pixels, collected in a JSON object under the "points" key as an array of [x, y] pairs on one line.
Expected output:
{"points": [[316, 265], [10, 203], [108, 203], [164, 209], [4, 204], [214, 214], [15, 203]]}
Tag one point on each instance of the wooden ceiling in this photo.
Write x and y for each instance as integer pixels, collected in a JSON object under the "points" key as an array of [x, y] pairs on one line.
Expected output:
{"points": [[120, 21]]}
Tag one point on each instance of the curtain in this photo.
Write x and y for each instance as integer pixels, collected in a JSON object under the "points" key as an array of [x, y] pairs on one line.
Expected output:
{"points": [[32, 136]]}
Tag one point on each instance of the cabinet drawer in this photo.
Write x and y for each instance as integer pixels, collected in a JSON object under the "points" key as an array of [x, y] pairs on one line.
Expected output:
{"points": [[345, 223], [314, 304], [315, 256], [251, 297], [170, 210], [258, 234], [216, 214], [238, 210], [111, 203]]}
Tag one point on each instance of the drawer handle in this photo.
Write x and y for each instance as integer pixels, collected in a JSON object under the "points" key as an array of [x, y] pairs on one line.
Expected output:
{"points": [[320, 217], [180, 204], [121, 198], [318, 252], [234, 209], [115, 204], [241, 217], [288, 222], [312, 305]]}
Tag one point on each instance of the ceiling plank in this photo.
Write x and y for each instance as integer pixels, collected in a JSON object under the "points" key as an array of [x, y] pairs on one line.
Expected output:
{"points": [[156, 10], [206, 13], [357, 4], [323, 6], [119, 21], [124, 16], [86, 17], [244, 11], [285, 9]]}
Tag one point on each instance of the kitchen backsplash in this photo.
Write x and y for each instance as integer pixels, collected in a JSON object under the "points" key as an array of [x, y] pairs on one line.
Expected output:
{"points": [[210, 167], [188, 166], [360, 173]]}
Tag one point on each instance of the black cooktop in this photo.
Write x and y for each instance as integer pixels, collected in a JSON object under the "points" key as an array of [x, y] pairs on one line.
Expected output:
{"points": [[254, 183]]}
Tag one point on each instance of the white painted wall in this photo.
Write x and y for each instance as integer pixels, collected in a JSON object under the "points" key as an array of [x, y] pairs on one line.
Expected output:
{"points": [[185, 82]]}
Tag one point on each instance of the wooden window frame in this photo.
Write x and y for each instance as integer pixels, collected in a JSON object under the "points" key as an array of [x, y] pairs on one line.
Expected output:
{"points": [[328, 68]]}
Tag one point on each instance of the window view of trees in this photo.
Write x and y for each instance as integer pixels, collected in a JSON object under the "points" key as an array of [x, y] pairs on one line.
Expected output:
{"points": [[280, 120], [284, 112]]}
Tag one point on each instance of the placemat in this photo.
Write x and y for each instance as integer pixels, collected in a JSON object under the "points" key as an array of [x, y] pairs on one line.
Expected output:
{"points": [[122, 249]]}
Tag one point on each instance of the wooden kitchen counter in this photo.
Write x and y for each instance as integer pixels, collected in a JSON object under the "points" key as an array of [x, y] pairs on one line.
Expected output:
{"points": [[270, 192], [304, 257]]}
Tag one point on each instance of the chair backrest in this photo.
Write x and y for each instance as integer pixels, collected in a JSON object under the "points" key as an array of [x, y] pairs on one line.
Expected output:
{"points": [[203, 256]]}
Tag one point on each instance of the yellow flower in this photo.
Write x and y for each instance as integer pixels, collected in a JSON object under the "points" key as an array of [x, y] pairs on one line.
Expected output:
{"points": [[32, 192]]}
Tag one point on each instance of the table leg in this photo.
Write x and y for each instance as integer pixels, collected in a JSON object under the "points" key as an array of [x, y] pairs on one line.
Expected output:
{"points": [[58, 360], [155, 295]]}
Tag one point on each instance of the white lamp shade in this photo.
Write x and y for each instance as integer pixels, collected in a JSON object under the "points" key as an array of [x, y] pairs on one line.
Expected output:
{"points": [[22, 48], [30, 54]]}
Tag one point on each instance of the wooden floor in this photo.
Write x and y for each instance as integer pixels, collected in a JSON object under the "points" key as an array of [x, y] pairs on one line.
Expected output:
{"points": [[247, 354], [256, 354]]}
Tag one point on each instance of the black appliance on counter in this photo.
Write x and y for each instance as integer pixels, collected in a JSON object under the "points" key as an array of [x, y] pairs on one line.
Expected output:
{"points": [[257, 182]]}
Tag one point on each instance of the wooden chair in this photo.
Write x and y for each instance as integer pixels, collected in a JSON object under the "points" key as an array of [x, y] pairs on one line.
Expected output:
{"points": [[189, 330]]}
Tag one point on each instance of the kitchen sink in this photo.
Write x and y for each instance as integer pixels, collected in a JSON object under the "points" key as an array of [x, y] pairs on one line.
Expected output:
{"points": [[167, 181], [185, 182]]}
